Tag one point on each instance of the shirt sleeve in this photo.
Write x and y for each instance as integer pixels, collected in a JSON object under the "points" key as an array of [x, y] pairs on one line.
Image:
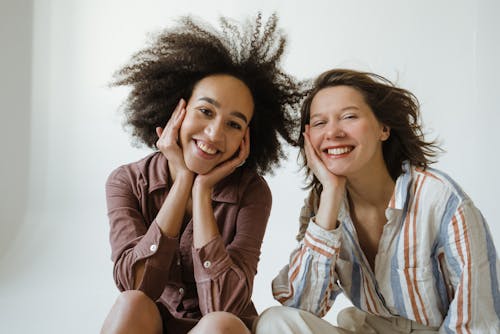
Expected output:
{"points": [[472, 267], [131, 241], [309, 281], [224, 274]]}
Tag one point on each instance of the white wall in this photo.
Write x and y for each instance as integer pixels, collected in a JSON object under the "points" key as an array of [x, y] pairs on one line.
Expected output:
{"points": [[61, 131]]}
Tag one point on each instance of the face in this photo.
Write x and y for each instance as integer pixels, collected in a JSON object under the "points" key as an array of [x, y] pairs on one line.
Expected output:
{"points": [[217, 116], [345, 132]]}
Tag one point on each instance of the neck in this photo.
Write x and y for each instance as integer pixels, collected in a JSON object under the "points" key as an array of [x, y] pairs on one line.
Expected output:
{"points": [[371, 190]]}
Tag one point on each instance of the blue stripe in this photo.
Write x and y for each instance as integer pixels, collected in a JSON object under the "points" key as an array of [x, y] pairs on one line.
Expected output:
{"points": [[440, 284], [451, 208], [395, 277], [492, 260], [455, 186], [325, 284], [356, 285], [397, 290], [302, 280]]}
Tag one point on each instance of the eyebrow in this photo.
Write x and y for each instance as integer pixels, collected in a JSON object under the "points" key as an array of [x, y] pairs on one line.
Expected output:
{"points": [[343, 109], [217, 104]]}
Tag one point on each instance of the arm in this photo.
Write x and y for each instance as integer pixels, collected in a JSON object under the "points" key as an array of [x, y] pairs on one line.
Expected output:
{"points": [[225, 273], [144, 256], [141, 255], [474, 272], [309, 281]]}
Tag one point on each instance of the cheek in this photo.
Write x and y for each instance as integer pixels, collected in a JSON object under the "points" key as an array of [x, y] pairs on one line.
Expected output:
{"points": [[233, 145], [315, 138]]}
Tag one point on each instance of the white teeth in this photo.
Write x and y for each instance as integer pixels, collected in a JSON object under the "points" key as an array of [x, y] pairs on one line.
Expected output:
{"points": [[339, 150], [205, 148]]}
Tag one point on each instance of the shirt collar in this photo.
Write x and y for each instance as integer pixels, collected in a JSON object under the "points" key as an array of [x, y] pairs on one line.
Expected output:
{"points": [[403, 183]]}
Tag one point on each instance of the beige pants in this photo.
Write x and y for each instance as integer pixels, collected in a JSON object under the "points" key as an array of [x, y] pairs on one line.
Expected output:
{"points": [[286, 320]]}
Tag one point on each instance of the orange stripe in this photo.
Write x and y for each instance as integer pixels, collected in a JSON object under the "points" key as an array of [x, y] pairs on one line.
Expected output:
{"points": [[317, 249], [426, 173], [371, 296], [468, 268], [407, 258], [419, 296], [366, 296], [293, 275], [454, 223], [449, 291], [316, 239]]}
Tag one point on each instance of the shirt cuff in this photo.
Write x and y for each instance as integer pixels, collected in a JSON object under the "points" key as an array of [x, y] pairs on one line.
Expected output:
{"points": [[210, 260], [325, 242], [156, 247]]}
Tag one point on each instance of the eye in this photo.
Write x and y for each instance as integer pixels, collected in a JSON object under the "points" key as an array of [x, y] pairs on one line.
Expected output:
{"points": [[349, 116], [317, 123], [206, 111], [235, 125]]}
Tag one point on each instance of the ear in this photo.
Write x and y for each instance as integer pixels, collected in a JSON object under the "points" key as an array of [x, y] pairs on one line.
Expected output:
{"points": [[386, 132]]}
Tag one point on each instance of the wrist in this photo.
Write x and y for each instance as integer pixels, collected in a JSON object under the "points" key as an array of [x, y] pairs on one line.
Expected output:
{"points": [[184, 177]]}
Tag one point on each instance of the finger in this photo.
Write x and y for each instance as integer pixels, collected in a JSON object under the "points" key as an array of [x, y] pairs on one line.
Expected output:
{"points": [[159, 131], [175, 115]]}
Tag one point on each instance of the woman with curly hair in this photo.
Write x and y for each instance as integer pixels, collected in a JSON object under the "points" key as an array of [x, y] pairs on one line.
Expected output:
{"points": [[187, 221], [400, 239]]}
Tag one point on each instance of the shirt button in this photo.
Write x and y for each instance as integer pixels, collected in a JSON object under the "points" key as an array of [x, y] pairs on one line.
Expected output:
{"points": [[153, 248], [181, 291], [178, 261], [207, 264]]}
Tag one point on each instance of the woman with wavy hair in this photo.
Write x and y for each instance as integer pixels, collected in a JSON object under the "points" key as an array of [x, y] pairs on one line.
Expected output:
{"points": [[187, 221], [400, 239]]}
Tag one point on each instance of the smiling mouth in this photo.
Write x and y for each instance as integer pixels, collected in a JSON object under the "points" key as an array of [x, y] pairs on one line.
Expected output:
{"points": [[339, 150], [206, 148]]}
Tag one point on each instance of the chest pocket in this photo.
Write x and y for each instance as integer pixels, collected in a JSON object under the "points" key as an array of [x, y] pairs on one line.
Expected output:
{"points": [[419, 289]]}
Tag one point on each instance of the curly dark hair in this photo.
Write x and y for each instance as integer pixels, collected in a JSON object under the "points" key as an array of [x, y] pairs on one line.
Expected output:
{"points": [[395, 107], [176, 59]]}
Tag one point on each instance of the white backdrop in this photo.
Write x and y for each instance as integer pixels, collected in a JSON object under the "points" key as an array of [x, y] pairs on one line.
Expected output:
{"points": [[61, 132]]}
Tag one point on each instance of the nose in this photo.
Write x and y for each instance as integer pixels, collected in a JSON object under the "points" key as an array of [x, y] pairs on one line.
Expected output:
{"points": [[215, 130], [334, 130]]}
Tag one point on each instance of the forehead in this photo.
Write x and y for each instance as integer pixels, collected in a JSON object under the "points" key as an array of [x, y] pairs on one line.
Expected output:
{"points": [[228, 91], [337, 97]]}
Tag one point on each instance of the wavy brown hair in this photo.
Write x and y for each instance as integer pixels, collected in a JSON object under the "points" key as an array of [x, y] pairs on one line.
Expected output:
{"points": [[176, 59], [395, 107]]}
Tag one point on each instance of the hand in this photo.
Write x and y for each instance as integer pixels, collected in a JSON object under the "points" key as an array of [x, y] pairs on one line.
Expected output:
{"points": [[334, 187], [208, 181], [168, 138], [323, 174]]}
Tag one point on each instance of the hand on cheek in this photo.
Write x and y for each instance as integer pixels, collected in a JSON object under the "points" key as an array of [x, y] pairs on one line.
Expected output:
{"points": [[207, 181], [168, 139], [316, 165]]}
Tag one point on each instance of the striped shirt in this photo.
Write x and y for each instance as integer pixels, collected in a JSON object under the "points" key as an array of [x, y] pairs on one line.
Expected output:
{"points": [[436, 262]]}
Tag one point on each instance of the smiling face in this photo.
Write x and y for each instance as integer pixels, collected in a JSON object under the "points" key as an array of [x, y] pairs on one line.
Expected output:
{"points": [[217, 116], [345, 132]]}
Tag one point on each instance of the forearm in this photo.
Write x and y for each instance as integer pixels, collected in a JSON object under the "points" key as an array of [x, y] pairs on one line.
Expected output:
{"points": [[312, 265], [329, 207], [204, 224], [172, 212]]}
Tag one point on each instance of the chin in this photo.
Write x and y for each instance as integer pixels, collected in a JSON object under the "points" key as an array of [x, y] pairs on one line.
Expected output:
{"points": [[198, 168]]}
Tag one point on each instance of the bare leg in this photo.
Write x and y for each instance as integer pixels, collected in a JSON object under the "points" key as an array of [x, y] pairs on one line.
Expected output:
{"points": [[220, 323], [133, 312]]}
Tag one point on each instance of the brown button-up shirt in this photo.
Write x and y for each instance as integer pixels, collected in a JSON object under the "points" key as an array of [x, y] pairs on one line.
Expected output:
{"points": [[189, 282]]}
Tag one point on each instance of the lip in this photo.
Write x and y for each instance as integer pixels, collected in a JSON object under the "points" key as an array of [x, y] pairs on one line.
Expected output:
{"points": [[337, 151], [204, 154]]}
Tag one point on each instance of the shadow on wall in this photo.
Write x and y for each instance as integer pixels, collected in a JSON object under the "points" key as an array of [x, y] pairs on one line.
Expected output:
{"points": [[16, 38]]}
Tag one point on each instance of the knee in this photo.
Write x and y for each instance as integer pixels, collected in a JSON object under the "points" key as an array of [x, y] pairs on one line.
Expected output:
{"points": [[132, 309], [136, 301], [220, 323], [275, 319]]}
